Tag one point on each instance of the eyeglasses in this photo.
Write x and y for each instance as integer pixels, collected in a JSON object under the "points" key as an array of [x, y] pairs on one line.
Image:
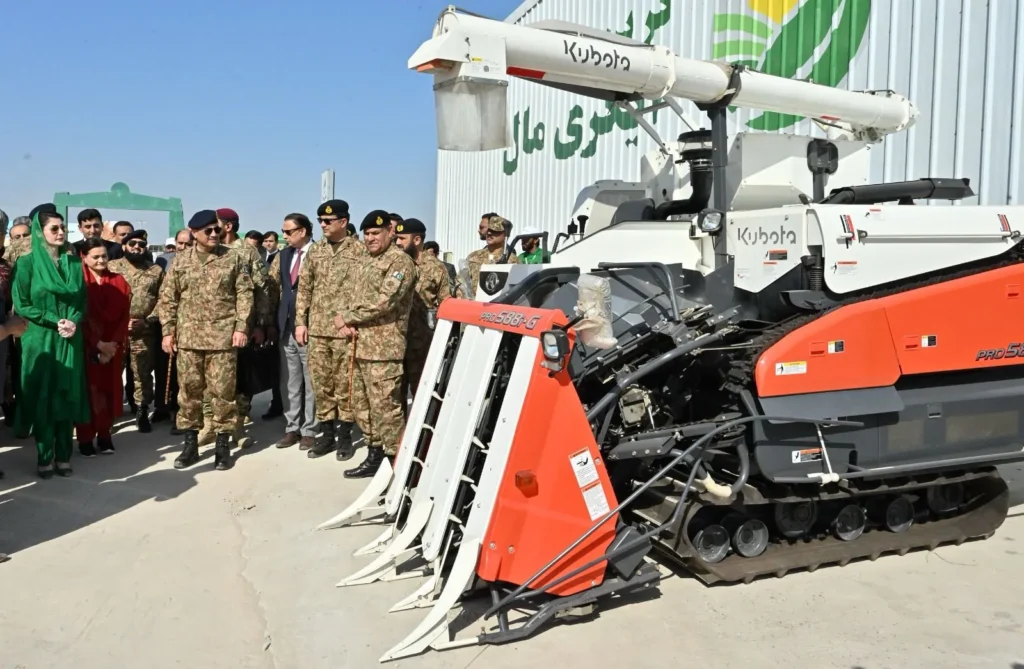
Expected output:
{"points": [[328, 221], [288, 232], [55, 228], [214, 230], [136, 244]]}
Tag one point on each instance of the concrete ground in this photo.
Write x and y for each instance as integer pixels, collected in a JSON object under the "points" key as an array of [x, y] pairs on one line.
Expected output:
{"points": [[130, 563]]}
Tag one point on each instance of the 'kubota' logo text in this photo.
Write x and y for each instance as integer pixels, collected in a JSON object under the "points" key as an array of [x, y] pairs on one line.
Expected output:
{"points": [[760, 236]]}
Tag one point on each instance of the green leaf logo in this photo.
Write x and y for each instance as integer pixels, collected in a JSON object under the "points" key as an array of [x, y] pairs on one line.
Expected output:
{"points": [[786, 37]]}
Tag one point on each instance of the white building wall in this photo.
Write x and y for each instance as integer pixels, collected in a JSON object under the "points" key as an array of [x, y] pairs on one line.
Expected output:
{"points": [[960, 61]]}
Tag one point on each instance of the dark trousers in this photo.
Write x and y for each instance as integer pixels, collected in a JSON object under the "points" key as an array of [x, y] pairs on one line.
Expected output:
{"points": [[161, 363]]}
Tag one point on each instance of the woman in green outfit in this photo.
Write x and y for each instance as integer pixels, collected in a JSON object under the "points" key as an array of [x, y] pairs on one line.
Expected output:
{"points": [[49, 293]]}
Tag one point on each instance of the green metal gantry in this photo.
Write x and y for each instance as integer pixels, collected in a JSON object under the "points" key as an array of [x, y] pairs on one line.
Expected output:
{"points": [[120, 197]]}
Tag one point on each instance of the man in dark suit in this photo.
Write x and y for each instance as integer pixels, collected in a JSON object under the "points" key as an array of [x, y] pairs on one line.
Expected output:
{"points": [[90, 224], [299, 413]]}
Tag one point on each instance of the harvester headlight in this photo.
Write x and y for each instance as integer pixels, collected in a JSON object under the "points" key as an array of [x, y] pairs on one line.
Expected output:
{"points": [[710, 221], [555, 344]]}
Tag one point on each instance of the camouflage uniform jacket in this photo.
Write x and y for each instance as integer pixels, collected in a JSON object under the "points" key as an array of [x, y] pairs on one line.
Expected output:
{"points": [[205, 298], [144, 279], [384, 286], [433, 286], [324, 284], [477, 259], [264, 315]]}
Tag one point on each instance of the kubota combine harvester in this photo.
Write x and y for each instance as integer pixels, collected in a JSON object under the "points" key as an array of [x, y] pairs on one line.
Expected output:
{"points": [[765, 364]]}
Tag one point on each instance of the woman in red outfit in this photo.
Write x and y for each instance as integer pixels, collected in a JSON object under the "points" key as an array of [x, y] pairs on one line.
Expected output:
{"points": [[105, 332]]}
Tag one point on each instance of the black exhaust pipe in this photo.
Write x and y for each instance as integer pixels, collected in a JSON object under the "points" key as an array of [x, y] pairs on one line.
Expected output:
{"points": [[701, 181]]}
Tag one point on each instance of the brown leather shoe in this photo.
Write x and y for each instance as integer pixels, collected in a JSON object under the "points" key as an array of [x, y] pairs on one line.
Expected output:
{"points": [[306, 443], [290, 439]]}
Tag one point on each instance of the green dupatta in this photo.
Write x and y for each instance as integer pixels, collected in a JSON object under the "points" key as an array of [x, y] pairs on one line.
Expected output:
{"points": [[53, 382]]}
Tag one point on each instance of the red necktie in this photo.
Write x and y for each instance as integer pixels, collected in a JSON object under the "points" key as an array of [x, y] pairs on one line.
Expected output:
{"points": [[295, 267]]}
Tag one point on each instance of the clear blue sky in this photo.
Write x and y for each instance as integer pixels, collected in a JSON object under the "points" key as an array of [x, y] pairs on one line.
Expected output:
{"points": [[224, 104]]}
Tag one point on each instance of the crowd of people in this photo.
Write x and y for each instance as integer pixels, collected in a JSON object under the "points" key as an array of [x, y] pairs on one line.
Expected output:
{"points": [[342, 325]]}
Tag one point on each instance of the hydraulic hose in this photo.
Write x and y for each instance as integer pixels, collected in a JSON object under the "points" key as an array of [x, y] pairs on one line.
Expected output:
{"points": [[700, 446], [620, 386]]}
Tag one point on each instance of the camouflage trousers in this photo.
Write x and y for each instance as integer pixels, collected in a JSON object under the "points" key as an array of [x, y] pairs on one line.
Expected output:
{"points": [[142, 353], [207, 374], [331, 371], [378, 386]]}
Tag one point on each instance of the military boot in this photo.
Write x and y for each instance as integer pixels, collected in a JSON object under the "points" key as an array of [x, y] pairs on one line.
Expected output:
{"points": [[142, 419], [324, 442], [190, 454], [374, 456], [222, 452], [343, 437], [241, 438]]}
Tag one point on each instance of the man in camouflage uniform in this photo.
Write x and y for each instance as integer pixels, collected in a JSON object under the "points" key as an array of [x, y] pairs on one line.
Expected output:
{"points": [[432, 288], [259, 322], [496, 236], [377, 315], [205, 307], [144, 278], [324, 284]]}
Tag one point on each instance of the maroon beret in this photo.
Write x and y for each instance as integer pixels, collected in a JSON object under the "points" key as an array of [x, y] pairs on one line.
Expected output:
{"points": [[226, 214]]}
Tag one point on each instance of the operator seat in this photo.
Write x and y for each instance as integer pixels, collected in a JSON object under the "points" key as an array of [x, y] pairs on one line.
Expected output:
{"points": [[634, 210]]}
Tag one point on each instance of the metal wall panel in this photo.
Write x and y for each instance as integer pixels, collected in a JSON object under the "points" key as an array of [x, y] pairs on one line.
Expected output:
{"points": [[960, 61]]}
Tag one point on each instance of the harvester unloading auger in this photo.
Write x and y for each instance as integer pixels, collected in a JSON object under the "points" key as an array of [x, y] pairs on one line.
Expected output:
{"points": [[740, 373]]}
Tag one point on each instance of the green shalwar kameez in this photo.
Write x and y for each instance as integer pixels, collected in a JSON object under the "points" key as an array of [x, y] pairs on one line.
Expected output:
{"points": [[53, 384]]}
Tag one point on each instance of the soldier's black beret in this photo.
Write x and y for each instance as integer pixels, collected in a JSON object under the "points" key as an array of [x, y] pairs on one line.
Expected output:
{"points": [[411, 226], [378, 218], [136, 234], [337, 208], [202, 218], [351, 230], [45, 208]]}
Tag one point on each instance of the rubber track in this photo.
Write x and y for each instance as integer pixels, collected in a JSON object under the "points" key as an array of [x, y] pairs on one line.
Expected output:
{"points": [[981, 521]]}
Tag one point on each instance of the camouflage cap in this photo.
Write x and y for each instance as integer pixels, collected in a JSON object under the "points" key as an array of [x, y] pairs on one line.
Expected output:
{"points": [[497, 224]]}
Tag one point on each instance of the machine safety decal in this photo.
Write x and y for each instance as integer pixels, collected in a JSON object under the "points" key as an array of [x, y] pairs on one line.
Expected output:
{"points": [[845, 267], [787, 368], [596, 501], [583, 467], [806, 455], [837, 346], [927, 341]]}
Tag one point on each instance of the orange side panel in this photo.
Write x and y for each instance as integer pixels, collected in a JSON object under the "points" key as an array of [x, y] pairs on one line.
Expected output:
{"points": [[969, 323], [847, 348], [533, 523], [526, 321]]}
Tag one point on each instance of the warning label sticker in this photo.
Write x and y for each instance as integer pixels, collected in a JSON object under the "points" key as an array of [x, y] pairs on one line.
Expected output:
{"points": [[837, 346], [583, 467], [806, 455], [596, 501], [845, 267], [785, 368]]}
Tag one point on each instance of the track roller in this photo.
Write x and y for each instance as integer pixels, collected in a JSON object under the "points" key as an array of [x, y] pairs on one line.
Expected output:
{"points": [[850, 522], [795, 519], [711, 543], [899, 514], [750, 539]]}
